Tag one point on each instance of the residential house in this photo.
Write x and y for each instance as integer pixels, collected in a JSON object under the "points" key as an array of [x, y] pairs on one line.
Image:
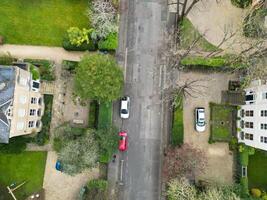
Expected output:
{"points": [[21, 103], [252, 117]]}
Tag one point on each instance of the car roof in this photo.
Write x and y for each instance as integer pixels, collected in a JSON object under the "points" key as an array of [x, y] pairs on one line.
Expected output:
{"points": [[124, 104]]}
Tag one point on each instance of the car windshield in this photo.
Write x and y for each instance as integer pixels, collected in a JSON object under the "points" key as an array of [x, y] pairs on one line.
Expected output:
{"points": [[124, 111], [201, 123]]}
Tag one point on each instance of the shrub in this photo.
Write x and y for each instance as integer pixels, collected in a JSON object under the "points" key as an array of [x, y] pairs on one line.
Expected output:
{"points": [[6, 59], [97, 189], [69, 65], [15, 145], [233, 144], [1, 40], [110, 43], [83, 47], [241, 3], [255, 192], [253, 25], [244, 186], [77, 36], [264, 197], [34, 72]]}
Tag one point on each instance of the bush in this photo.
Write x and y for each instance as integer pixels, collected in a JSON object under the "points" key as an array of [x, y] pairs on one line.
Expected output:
{"points": [[66, 44], [15, 145], [110, 43], [244, 157], [233, 144], [6, 59], [264, 197], [97, 189], [244, 186], [34, 72], [255, 192], [241, 3], [253, 25], [69, 65], [78, 36]]}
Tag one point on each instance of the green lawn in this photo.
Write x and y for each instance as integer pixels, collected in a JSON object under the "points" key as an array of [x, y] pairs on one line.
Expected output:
{"points": [[26, 166], [104, 115], [221, 122], [257, 177], [189, 33], [92, 114], [40, 22], [177, 137]]}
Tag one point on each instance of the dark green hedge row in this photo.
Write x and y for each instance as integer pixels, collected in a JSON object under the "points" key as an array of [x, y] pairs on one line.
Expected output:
{"points": [[241, 3]]}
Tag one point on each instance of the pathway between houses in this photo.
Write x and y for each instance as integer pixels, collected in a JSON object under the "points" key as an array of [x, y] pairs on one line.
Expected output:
{"points": [[58, 186], [213, 19]]}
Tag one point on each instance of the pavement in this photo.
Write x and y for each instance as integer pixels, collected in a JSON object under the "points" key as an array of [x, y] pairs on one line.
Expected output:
{"points": [[219, 158], [144, 22]]}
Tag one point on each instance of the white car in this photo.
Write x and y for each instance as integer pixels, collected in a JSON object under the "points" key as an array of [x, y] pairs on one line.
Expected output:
{"points": [[125, 107], [200, 123]]}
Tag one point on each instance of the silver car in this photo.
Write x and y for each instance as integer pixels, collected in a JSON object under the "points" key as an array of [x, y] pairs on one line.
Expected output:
{"points": [[200, 123]]}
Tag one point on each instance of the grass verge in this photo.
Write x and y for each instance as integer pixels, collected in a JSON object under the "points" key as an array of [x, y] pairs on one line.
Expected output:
{"points": [[177, 137], [105, 115]]}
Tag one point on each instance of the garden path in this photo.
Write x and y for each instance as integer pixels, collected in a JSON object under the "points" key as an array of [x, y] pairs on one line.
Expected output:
{"points": [[214, 19]]}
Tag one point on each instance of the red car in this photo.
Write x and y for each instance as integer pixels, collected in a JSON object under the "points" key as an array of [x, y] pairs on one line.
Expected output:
{"points": [[123, 141]]}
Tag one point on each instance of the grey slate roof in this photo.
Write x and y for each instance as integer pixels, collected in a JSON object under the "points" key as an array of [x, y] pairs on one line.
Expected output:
{"points": [[7, 82]]}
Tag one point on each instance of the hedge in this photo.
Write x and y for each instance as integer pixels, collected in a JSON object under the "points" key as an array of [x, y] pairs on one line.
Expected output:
{"points": [[244, 186], [241, 3], [110, 43], [84, 47]]}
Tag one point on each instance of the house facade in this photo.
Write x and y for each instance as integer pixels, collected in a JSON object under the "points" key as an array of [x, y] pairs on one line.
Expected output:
{"points": [[21, 103], [252, 117]]}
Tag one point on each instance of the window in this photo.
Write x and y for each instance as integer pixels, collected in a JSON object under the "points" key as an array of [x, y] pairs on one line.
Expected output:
{"points": [[249, 113], [249, 124], [264, 126], [22, 112], [264, 95], [20, 126], [32, 112], [242, 113], [242, 135], [40, 101], [242, 124], [263, 113], [249, 136], [263, 139], [33, 100], [31, 124], [22, 99]]}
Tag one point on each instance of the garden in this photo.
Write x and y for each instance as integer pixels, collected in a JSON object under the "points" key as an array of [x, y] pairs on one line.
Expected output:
{"points": [[24, 166], [221, 124], [42, 22]]}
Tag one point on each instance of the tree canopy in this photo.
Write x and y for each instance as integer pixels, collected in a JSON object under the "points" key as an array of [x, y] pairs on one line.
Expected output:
{"points": [[98, 77]]}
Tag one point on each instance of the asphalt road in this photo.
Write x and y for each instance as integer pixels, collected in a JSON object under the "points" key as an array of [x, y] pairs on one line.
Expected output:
{"points": [[145, 77]]}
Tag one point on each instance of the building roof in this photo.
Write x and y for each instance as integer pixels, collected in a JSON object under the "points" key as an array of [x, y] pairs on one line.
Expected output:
{"points": [[7, 85]]}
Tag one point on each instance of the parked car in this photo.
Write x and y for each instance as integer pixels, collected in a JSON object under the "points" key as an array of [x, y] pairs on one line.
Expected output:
{"points": [[125, 107], [123, 142], [200, 123]]}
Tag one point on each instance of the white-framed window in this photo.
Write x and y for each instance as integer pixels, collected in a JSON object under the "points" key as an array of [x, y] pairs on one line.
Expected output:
{"points": [[20, 126], [249, 124], [31, 124], [264, 95], [32, 112], [33, 100], [21, 112], [23, 99], [263, 139], [248, 136], [264, 126], [263, 113]]}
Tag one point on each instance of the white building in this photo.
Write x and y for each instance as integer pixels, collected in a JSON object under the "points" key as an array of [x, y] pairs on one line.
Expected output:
{"points": [[252, 117], [21, 103]]}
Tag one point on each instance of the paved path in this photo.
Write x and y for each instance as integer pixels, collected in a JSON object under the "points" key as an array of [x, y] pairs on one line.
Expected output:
{"points": [[214, 18], [145, 23]]}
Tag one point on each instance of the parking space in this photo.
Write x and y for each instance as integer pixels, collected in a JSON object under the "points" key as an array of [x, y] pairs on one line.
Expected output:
{"points": [[207, 89]]}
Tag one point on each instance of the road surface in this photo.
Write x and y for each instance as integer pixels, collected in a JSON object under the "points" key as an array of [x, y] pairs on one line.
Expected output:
{"points": [[144, 23]]}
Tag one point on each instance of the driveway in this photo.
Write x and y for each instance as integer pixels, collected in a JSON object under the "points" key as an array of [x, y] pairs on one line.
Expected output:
{"points": [[60, 186], [220, 160]]}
